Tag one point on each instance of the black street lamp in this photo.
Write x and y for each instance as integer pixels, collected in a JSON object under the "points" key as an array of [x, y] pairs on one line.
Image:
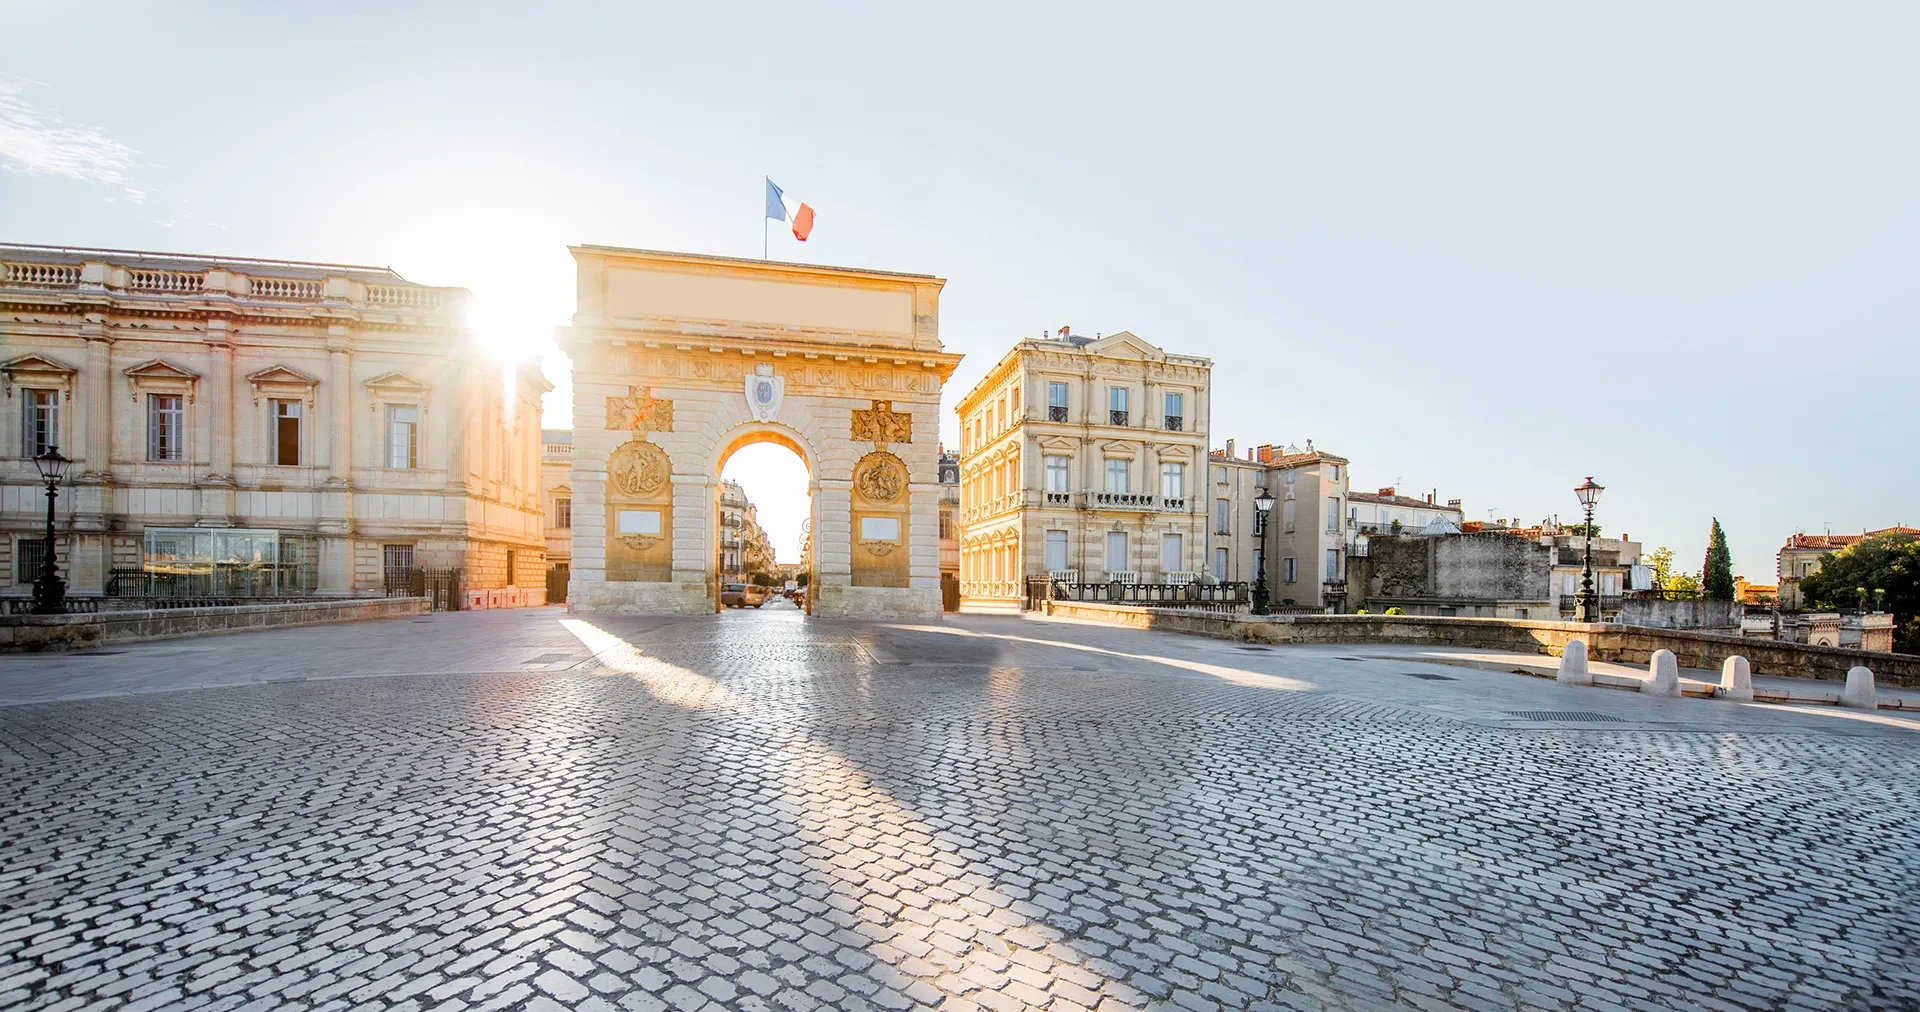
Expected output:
{"points": [[1263, 503], [1589, 494], [49, 591]]}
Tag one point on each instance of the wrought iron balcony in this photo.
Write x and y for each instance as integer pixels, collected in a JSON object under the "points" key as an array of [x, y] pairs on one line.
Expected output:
{"points": [[1173, 423], [1116, 417], [1056, 413]]}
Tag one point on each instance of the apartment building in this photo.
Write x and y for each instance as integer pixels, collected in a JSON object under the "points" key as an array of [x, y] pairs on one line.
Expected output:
{"points": [[1080, 457], [244, 427]]}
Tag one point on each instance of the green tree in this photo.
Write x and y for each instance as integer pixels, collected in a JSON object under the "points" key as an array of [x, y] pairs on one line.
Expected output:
{"points": [[1716, 575], [1885, 562], [1665, 577], [1580, 530]]}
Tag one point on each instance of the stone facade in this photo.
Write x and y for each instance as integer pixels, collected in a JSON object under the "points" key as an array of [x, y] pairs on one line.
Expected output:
{"points": [[680, 359], [1308, 542], [1084, 458], [1803, 554], [298, 427], [1477, 575]]}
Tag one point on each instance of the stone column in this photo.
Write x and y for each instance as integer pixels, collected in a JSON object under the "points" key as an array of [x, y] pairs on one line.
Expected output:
{"points": [[220, 401], [336, 494], [99, 403]]}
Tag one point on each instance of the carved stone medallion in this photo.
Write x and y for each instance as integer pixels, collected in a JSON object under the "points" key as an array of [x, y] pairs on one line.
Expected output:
{"points": [[880, 477], [882, 424], [639, 411], [638, 468], [877, 547]]}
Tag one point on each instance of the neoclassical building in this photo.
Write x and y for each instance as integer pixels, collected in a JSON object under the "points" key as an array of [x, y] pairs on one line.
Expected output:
{"points": [[246, 427], [1083, 458]]}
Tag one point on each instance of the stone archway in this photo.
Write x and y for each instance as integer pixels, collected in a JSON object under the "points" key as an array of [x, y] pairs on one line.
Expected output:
{"points": [[680, 359]]}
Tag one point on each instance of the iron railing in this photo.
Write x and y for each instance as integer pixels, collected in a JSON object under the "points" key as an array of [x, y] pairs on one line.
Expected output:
{"points": [[221, 583], [1173, 423], [1056, 413], [1200, 596], [445, 589], [1117, 417], [74, 605]]}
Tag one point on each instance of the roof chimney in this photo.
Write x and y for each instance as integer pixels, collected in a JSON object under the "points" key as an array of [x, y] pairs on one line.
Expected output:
{"points": [[1387, 491], [1430, 496], [1229, 448], [1453, 503], [1265, 453], [1065, 332]]}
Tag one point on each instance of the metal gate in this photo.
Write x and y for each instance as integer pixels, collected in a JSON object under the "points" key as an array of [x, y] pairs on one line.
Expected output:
{"points": [[557, 576], [444, 588]]}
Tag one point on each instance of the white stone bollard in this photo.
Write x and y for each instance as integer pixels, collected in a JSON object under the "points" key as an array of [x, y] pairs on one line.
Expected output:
{"points": [[1860, 693], [1663, 673], [1573, 665], [1736, 680]]}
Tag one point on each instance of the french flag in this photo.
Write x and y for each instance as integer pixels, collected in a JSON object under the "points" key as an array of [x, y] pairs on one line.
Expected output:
{"points": [[781, 208]]}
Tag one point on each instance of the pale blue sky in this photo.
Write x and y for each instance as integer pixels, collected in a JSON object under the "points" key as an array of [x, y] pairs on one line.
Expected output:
{"points": [[1484, 248]]}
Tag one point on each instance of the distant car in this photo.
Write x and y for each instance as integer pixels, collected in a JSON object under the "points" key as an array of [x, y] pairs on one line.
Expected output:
{"points": [[742, 595]]}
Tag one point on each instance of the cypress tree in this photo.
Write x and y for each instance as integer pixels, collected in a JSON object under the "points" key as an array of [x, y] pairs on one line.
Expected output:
{"points": [[1716, 576]]}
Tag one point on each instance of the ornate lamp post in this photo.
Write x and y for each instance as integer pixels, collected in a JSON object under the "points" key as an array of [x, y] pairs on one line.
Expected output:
{"points": [[1589, 494], [1263, 503], [49, 591]]}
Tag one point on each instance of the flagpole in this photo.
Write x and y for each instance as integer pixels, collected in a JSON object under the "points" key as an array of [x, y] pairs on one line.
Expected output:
{"points": [[763, 236]]}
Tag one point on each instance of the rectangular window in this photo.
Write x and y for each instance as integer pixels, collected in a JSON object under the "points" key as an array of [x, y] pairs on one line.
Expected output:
{"points": [[1222, 516], [1220, 564], [1289, 572], [1259, 523], [1333, 514], [40, 424], [879, 529], [1056, 402], [1173, 481], [1116, 551], [29, 555], [1259, 559], [1117, 475], [1059, 471], [1219, 476], [563, 512], [1172, 558], [403, 436], [1056, 549], [946, 526], [1117, 405], [1289, 478], [512, 557], [396, 558], [286, 432], [1175, 412], [166, 425], [1333, 564], [1286, 516]]}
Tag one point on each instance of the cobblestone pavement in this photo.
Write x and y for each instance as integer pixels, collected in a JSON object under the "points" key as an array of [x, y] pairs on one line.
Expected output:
{"points": [[760, 811]]}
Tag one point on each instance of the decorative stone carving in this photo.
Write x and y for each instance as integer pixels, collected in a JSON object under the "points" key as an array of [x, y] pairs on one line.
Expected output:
{"points": [[639, 411], [882, 424], [878, 547], [638, 468], [764, 391], [880, 477], [639, 542]]}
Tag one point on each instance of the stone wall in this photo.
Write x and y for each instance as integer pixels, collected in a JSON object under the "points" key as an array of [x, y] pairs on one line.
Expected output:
{"points": [[73, 632], [1606, 641], [1681, 614], [1450, 568]]}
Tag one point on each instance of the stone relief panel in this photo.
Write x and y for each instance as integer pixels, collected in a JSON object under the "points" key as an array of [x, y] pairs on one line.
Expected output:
{"points": [[639, 543], [639, 411], [881, 521], [882, 424]]}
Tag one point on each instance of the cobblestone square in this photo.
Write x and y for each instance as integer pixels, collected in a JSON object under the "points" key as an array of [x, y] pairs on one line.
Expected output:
{"points": [[530, 810]]}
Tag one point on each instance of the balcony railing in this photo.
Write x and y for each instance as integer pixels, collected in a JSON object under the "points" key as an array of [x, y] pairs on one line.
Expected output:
{"points": [[1116, 418], [1173, 504], [258, 581], [1123, 500], [1059, 498], [1182, 594], [1173, 423], [1056, 413], [1570, 603]]}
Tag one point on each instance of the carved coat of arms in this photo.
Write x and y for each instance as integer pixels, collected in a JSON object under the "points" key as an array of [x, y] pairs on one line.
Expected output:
{"points": [[764, 391]]}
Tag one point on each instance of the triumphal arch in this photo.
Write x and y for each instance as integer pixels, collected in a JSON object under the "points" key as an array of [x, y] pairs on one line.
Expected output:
{"points": [[679, 360]]}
